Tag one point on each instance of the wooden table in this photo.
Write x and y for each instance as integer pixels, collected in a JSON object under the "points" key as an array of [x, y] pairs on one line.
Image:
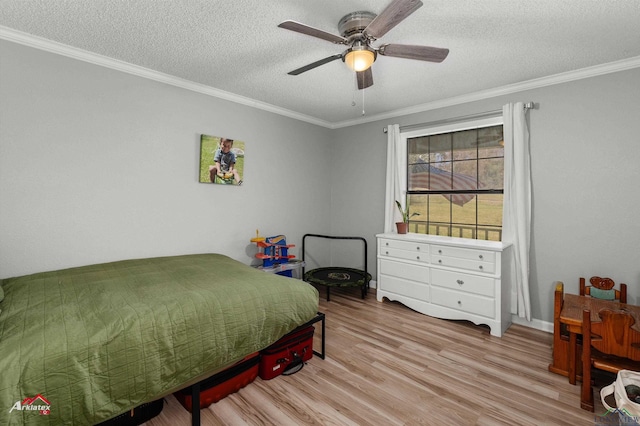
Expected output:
{"points": [[567, 325]]}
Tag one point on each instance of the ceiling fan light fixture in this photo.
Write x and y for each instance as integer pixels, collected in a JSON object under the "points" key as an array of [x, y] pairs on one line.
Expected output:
{"points": [[358, 30], [359, 59]]}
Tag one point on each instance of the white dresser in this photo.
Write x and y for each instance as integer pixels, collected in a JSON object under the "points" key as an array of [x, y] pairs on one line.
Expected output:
{"points": [[445, 277]]}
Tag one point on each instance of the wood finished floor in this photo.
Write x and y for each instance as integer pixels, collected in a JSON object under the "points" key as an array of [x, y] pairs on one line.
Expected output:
{"points": [[389, 365]]}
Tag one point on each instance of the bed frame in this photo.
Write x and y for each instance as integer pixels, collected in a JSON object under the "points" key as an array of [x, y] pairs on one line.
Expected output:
{"points": [[195, 388]]}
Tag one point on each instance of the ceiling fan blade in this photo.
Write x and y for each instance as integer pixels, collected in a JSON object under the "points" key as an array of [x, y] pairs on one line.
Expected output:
{"points": [[421, 53], [365, 78], [314, 32], [315, 64], [391, 16]]}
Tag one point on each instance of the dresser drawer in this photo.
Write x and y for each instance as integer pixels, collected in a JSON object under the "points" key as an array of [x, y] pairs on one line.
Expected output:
{"points": [[404, 270], [464, 302], [464, 253], [404, 245], [469, 265], [484, 286], [405, 255], [408, 288]]}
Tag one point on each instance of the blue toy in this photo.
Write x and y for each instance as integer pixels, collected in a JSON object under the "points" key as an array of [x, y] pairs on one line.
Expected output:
{"points": [[275, 251]]}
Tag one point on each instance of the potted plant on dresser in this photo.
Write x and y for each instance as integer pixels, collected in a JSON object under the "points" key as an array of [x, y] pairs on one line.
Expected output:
{"points": [[404, 225]]}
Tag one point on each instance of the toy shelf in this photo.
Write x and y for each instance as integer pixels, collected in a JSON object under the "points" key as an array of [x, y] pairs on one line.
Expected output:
{"points": [[265, 244], [275, 254], [295, 266], [264, 256]]}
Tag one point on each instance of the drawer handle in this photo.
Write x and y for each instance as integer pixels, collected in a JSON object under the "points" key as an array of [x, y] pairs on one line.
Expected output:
{"points": [[418, 257], [480, 257], [439, 260], [439, 251], [480, 267], [460, 282], [387, 244], [418, 248], [386, 252], [460, 302]]}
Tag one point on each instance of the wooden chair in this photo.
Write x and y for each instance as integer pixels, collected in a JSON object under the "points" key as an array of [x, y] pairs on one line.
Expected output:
{"points": [[602, 288], [566, 346], [609, 345]]}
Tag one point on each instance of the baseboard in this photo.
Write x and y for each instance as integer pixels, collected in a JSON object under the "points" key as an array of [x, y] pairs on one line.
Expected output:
{"points": [[534, 323]]}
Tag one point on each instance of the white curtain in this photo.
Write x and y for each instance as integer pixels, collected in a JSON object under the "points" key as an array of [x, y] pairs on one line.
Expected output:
{"points": [[516, 218], [396, 177]]}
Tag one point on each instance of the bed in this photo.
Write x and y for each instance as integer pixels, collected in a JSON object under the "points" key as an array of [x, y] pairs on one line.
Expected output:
{"points": [[82, 345]]}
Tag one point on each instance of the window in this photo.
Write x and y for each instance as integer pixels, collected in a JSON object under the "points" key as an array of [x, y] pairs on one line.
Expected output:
{"points": [[455, 177]]}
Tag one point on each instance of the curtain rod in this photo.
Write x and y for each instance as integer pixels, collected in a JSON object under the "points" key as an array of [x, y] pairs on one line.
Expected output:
{"points": [[486, 114]]}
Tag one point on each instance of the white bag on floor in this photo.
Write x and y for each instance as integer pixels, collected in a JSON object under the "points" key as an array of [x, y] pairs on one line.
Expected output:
{"points": [[626, 390]]}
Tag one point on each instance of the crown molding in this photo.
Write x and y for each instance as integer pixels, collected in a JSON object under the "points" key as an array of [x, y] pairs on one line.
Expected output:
{"points": [[608, 68], [30, 40], [36, 42]]}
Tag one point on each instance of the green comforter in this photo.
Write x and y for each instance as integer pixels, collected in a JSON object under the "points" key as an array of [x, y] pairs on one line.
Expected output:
{"points": [[92, 342]]}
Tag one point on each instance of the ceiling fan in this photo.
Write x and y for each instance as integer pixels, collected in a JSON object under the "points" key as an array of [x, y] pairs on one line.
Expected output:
{"points": [[359, 30]]}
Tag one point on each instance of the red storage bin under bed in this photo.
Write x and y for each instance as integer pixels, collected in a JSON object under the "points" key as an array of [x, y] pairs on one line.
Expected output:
{"points": [[223, 383], [288, 354]]}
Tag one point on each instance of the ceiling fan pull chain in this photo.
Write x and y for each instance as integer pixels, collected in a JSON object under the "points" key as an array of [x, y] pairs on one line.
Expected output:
{"points": [[362, 97], [353, 96]]}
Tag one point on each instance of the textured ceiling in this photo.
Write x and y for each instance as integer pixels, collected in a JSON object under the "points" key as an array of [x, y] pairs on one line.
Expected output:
{"points": [[235, 46]]}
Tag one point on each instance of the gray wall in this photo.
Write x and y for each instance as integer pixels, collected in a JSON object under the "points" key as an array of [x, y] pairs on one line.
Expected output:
{"points": [[98, 165], [585, 149]]}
